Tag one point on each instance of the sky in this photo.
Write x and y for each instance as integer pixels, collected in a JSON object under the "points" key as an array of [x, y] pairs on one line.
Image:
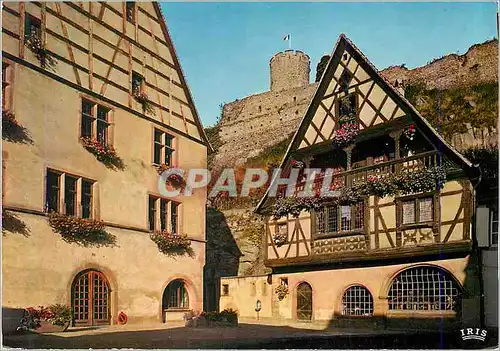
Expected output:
{"points": [[224, 48]]}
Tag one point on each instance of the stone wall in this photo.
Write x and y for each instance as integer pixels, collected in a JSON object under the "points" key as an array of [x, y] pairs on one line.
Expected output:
{"points": [[478, 65], [250, 125]]}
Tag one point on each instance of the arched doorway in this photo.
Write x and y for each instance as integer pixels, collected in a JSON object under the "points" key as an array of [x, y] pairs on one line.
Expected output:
{"points": [[304, 302], [175, 296], [90, 299]]}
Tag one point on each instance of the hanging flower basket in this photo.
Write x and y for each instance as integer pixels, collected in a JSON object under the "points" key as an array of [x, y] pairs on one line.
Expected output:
{"points": [[171, 243], [103, 152], [83, 231], [35, 44], [281, 290], [143, 98], [280, 239], [345, 135], [409, 132]]}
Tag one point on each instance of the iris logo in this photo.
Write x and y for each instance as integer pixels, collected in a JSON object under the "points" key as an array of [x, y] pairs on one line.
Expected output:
{"points": [[473, 334]]}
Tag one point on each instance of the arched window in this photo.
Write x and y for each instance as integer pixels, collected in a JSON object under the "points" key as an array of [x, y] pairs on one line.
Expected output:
{"points": [[304, 301], [357, 301], [90, 298], [175, 295], [424, 289]]}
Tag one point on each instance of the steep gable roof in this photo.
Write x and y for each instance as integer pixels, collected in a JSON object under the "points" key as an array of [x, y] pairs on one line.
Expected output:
{"points": [[318, 124]]}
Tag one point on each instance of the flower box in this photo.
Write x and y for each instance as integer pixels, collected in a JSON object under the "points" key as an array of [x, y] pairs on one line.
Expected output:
{"points": [[83, 231], [171, 243]]}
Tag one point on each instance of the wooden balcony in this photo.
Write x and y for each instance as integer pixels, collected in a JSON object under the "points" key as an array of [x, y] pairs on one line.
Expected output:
{"points": [[353, 176]]}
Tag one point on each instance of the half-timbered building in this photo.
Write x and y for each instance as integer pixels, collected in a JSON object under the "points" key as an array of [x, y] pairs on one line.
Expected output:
{"points": [[392, 246], [94, 102]]}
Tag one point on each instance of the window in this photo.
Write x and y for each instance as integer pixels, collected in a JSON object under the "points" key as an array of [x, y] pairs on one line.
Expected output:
{"points": [[167, 215], [493, 226], [424, 289], [345, 80], [95, 121], [347, 109], [225, 290], [52, 192], [68, 194], [282, 230], [6, 85], [137, 83], [418, 211], [32, 28], [175, 295], [163, 148], [335, 219], [173, 217], [87, 198], [152, 213], [357, 301], [130, 11]]}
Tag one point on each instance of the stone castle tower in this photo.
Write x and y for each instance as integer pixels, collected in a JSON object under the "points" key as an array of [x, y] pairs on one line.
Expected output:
{"points": [[289, 69]]}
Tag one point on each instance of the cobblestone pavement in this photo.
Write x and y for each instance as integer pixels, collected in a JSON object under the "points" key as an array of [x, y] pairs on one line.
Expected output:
{"points": [[246, 336]]}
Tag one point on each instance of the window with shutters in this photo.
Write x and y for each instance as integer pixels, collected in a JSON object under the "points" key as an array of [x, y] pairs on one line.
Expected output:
{"points": [[340, 219], [69, 194], [418, 210]]}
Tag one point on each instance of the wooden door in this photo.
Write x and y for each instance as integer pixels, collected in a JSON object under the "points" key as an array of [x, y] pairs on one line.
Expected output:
{"points": [[90, 297], [304, 302]]}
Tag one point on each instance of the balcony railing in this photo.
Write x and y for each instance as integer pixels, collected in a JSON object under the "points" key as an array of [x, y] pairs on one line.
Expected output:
{"points": [[353, 176]]}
